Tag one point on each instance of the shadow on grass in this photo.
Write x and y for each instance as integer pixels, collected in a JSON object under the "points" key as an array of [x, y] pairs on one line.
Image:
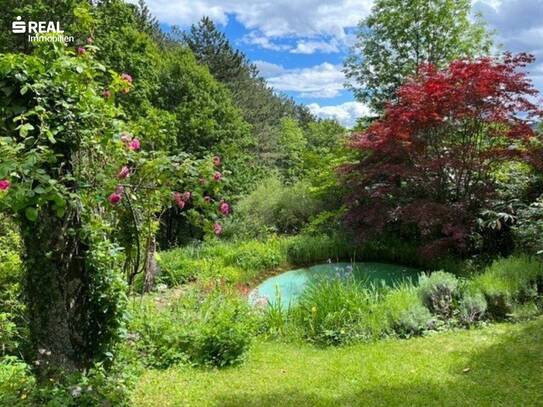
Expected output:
{"points": [[509, 373]]}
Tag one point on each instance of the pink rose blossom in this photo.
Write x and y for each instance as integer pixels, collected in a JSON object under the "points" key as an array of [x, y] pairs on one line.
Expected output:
{"points": [[178, 198], [217, 229], [216, 161], [81, 50], [126, 77], [207, 199], [224, 208], [126, 137], [186, 196], [134, 145], [119, 190], [217, 176], [124, 172], [114, 198], [4, 184]]}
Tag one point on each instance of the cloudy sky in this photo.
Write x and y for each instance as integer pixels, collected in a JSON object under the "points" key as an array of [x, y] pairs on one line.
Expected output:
{"points": [[299, 45]]}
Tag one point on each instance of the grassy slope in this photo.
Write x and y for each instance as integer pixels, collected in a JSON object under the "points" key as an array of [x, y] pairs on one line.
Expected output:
{"points": [[505, 365]]}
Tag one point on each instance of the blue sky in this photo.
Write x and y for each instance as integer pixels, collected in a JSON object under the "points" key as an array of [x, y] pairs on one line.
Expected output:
{"points": [[299, 45]]}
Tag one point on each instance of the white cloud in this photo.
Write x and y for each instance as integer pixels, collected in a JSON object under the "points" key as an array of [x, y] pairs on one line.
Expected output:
{"points": [[319, 81], [346, 113], [273, 18], [255, 38], [310, 47]]}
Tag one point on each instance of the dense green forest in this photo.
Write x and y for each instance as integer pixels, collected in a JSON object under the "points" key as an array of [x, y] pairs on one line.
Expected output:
{"points": [[151, 179]]}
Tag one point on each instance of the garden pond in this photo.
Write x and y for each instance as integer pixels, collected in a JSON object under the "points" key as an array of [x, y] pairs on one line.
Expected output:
{"points": [[288, 286]]}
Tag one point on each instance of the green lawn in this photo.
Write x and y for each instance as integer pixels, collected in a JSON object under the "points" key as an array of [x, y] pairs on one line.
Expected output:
{"points": [[498, 365]]}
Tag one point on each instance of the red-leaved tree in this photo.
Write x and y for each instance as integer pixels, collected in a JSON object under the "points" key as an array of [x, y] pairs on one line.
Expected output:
{"points": [[427, 166]]}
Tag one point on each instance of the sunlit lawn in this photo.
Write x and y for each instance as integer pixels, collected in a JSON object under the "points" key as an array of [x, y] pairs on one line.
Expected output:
{"points": [[497, 365]]}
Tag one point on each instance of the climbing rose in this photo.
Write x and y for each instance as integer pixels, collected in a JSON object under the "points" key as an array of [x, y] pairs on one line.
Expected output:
{"points": [[216, 161], [81, 50], [217, 176], [126, 137], [4, 184], [217, 229], [124, 173], [186, 196], [177, 197], [106, 93], [134, 145], [114, 198], [224, 208], [126, 77]]}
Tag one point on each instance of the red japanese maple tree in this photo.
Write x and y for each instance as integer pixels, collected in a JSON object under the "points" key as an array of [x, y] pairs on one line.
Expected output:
{"points": [[428, 164]]}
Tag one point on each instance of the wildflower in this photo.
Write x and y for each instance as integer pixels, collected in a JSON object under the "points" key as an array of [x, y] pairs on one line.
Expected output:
{"points": [[126, 77], [134, 145], [217, 229], [4, 184], [106, 93], [224, 208], [124, 172], [114, 198], [217, 176], [81, 51], [216, 161]]}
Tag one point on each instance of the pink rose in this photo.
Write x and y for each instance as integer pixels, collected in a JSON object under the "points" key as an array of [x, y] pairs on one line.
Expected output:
{"points": [[207, 199], [186, 196], [217, 176], [126, 77], [216, 161], [178, 198], [124, 173], [4, 184], [114, 198], [119, 190], [126, 137], [217, 229], [224, 208], [81, 50], [134, 145]]}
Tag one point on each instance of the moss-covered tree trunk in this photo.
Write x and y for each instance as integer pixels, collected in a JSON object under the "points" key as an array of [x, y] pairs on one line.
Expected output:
{"points": [[56, 291]]}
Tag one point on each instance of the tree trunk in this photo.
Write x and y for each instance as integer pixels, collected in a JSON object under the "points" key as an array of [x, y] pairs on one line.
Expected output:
{"points": [[151, 268], [56, 291]]}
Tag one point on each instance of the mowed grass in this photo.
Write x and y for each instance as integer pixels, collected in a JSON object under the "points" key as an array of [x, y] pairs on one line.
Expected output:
{"points": [[500, 365]]}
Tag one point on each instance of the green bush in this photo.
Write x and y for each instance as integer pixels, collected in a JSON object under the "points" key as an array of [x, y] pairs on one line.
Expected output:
{"points": [[406, 314], [472, 307], [16, 382], [214, 330], [437, 292], [510, 281], [307, 249]]}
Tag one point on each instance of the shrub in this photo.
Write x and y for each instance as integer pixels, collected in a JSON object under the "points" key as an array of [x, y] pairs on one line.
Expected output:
{"points": [[437, 292], [335, 312], [16, 382], [306, 249], [516, 279], [406, 314], [472, 307], [214, 331]]}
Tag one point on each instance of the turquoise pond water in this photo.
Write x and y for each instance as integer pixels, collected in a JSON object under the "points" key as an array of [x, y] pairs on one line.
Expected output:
{"points": [[291, 284]]}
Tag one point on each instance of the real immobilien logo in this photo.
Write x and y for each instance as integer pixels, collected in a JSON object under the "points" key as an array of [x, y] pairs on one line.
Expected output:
{"points": [[40, 31]]}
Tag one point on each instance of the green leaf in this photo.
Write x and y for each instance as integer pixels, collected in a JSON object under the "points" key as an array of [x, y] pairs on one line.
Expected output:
{"points": [[31, 214], [25, 128]]}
